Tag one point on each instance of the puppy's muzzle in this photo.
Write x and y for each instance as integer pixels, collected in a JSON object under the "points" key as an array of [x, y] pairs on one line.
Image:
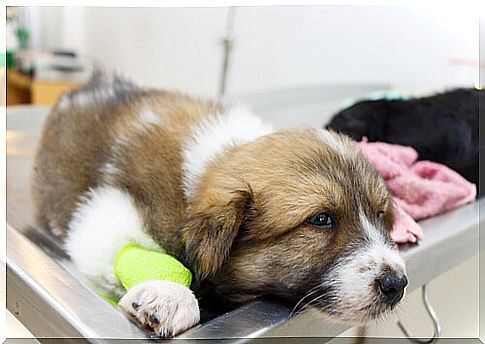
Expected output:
{"points": [[391, 287]]}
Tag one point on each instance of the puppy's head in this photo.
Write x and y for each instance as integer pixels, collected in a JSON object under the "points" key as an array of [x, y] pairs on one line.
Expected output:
{"points": [[299, 214]]}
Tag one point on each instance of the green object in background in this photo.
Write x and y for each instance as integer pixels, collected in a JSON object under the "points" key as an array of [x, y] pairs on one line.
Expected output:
{"points": [[377, 95], [135, 265], [10, 58], [23, 37]]}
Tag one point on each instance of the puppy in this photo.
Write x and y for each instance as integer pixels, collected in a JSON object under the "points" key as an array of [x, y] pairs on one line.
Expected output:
{"points": [[442, 128], [298, 214]]}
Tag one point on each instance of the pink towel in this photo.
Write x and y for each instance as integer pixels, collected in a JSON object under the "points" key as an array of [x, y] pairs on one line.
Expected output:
{"points": [[420, 189]]}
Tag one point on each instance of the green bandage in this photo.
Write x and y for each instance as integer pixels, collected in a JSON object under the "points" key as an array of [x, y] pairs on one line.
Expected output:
{"points": [[135, 265]]}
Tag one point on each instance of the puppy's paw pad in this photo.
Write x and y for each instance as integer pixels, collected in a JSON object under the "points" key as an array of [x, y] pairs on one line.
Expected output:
{"points": [[165, 307]]}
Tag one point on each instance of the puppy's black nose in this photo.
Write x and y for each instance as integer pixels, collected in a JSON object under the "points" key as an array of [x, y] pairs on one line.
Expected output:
{"points": [[392, 287]]}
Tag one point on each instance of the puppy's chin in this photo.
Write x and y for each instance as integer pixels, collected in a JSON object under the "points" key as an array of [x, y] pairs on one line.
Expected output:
{"points": [[367, 311], [364, 286]]}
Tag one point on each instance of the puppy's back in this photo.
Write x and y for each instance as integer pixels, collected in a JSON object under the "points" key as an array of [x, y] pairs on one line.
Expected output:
{"points": [[108, 124]]}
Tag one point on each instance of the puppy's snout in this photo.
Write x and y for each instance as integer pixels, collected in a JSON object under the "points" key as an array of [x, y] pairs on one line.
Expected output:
{"points": [[392, 287]]}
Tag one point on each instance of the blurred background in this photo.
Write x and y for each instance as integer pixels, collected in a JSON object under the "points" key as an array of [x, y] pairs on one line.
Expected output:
{"points": [[233, 51]]}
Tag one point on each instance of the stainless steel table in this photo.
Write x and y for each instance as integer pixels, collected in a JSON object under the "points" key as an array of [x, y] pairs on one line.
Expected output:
{"points": [[47, 294]]}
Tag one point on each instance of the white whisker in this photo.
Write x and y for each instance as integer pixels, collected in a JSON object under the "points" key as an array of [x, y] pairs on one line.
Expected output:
{"points": [[310, 292], [310, 302]]}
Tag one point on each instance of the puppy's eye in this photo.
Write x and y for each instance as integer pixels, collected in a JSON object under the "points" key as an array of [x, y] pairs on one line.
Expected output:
{"points": [[380, 214], [322, 220]]}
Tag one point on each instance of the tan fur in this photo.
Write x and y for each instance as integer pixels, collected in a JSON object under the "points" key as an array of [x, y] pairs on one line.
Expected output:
{"points": [[284, 178], [75, 145], [243, 232]]}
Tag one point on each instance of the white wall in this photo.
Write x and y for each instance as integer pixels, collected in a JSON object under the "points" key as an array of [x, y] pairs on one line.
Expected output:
{"points": [[274, 47], [169, 48], [50, 26], [408, 47]]}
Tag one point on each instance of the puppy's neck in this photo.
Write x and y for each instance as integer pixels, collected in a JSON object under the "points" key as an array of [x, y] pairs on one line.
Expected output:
{"points": [[214, 136]]}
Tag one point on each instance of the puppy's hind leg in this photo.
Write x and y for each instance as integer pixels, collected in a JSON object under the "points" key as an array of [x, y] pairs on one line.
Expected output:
{"points": [[105, 221]]}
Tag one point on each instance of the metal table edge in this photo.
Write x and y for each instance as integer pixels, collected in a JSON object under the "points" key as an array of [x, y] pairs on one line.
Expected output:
{"points": [[229, 325]]}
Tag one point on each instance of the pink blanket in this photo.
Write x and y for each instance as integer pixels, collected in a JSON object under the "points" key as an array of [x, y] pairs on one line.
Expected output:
{"points": [[420, 189]]}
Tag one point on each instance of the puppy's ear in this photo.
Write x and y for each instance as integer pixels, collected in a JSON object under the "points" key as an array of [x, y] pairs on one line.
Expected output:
{"points": [[211, 228]]}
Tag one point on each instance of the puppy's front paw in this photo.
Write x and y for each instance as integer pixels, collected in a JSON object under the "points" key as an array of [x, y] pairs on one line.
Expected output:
{"points": [[168, 308]]}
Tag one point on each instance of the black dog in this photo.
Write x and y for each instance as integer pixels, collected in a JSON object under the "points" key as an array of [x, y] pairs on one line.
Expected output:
{"points": [[442, 128]]}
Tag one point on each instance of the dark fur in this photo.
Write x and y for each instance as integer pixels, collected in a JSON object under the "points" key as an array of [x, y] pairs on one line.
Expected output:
{"points": [[442, 128]]}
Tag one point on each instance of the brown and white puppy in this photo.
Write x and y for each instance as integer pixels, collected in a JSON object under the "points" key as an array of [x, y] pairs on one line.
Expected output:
{"points": [[298, 213]]}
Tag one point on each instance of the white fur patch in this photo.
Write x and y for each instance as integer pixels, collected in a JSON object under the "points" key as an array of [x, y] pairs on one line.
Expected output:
{"points": [[354, 277], [56, 231], [87, 97], [145, 120], [63, 102], [335, 142], [379, 249], [120, 140], [105, 221], [82, 98], [54, 228], [212, 135], [374, 235], [167, 307], [148, 117], [108, 171]]}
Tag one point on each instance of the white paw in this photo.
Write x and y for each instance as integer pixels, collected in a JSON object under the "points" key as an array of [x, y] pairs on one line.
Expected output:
{"points": [[167, 308]]}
